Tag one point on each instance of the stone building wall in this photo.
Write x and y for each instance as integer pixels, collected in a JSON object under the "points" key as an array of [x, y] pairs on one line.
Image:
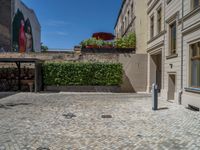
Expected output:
{"points": [[135, 70], [132, 17]]}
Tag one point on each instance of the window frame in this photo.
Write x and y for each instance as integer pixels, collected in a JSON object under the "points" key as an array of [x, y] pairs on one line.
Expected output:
{"points": [[159, 20], [172, 51], [125, 23], [194, 58], [152, 18], [193, 6], [132, 11]]}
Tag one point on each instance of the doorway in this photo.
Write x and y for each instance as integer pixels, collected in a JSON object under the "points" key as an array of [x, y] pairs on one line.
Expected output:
{"points": [[156, 70], [171, 86]]}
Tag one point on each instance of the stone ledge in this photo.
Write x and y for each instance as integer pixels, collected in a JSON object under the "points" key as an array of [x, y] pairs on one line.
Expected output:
{"points": [[113, 89], [193, 90], [108, 50]]}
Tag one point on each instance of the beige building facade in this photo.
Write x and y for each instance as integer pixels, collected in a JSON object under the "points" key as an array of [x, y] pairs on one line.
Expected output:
{"points": [[133, 18], [171, 39], [174, 49], [155, 43], [191, 52]]}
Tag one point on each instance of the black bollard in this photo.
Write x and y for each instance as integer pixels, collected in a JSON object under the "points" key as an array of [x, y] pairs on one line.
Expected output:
{"points": [[154, 97]]}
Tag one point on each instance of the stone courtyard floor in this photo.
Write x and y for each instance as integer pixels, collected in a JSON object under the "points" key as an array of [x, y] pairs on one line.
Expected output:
{"points": [[31, 121]]}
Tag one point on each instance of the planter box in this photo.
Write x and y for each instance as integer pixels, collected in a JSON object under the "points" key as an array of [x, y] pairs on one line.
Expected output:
{"points": [[113, 89], [108, 50]]}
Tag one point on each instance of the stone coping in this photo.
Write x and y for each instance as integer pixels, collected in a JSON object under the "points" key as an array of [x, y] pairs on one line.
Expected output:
{"points": [[108, 50], [114, 89], [194, 90]]}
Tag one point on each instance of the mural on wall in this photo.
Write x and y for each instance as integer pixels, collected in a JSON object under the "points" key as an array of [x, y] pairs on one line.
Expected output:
{"points": [[22, 34]]}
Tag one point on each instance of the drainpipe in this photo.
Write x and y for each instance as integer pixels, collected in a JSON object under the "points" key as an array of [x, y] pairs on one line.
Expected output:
{"points": [[163, 55], [181, 90]]}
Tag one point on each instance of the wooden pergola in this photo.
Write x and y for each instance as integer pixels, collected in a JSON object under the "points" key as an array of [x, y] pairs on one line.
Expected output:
{"points": [[38, 70]]}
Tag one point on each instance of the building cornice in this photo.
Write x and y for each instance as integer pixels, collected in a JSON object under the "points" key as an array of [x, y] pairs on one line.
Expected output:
{"points": [[192, 13], [160, 44], [152, 6], [191, 28], [157, 36], [173, 17], [149, 2]]}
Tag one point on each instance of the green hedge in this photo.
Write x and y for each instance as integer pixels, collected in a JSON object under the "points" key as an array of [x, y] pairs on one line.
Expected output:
{"points": [[67, 74]]}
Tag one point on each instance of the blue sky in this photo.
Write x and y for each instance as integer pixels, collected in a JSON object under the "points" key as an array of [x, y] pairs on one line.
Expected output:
{"points": [[66, 23]]}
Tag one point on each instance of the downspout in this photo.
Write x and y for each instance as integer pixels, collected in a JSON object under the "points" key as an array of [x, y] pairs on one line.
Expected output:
{"points": [[163, 55], [181, 90]]}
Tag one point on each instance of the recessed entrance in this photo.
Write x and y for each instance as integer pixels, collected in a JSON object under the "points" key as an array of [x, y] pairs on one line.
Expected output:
{"points": [[156, 69], [171, 86]]}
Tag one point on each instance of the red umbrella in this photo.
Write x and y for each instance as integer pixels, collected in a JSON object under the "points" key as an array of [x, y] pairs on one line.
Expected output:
{"points": [[103, 36]]}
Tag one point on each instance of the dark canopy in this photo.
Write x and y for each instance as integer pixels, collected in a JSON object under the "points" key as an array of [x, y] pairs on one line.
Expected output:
{"points": [[103, 36]]}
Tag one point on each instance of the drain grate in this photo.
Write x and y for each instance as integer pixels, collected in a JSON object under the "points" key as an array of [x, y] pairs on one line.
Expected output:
{"points": [[8, 105], [42, 148], [17, 104], [69, 115], [106, 116]]}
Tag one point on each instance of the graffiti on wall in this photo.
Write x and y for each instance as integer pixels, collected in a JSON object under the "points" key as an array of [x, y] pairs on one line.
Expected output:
{"points": [[22, 34]]}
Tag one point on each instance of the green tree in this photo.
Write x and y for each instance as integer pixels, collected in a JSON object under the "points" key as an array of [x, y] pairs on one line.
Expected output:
{"points": [[44, 48]]}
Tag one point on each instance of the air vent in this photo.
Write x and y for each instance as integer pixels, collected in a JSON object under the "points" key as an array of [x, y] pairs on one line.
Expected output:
{"points": [[43, 148], [106, 116]]}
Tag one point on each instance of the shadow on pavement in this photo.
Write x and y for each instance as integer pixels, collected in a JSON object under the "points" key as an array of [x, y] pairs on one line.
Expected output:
{"points": [[163, 108], [6, 94]]}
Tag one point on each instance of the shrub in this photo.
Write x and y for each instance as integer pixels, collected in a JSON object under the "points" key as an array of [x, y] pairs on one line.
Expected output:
{"points": [[89, 42], [128, 41], [67, 74], [96, 43]]}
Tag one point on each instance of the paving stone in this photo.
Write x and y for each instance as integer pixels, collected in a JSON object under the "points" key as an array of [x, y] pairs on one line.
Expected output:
{"points": [[39, 121]]}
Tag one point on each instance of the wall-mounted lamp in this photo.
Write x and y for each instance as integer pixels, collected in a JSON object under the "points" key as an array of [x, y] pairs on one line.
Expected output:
{"points": [[171, 66]]}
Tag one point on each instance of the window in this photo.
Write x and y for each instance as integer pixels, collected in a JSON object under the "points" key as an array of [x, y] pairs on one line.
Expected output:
{"points": [[172, 38], [132, 11], [128, 17], [168, 1], [195, 4], [122, 28], [152, 26], [125, 24], [159, 21], [195, 65]]}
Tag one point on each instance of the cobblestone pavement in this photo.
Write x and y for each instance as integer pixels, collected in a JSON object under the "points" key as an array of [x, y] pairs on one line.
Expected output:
{"points": [[32, 121]]}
